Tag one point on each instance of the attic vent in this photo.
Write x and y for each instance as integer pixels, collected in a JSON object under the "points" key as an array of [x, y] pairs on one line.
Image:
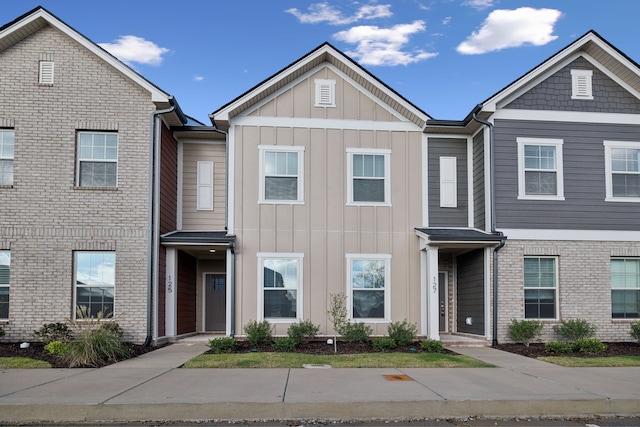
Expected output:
{"points": [[581, 84], [46, 73], [325, 93]]}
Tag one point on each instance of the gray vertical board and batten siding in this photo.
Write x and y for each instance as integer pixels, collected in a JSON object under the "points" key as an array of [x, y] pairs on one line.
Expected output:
{"points": [[470, 292], [584, 206], [447, 217], [479, 219]]}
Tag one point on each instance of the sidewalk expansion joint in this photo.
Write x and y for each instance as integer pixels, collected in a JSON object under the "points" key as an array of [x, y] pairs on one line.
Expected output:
{"points": [[138, 385]]}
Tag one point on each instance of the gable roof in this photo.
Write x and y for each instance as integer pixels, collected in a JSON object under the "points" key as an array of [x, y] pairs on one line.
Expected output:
{"points": [[592, 47], [38, 18], [323, 53]]}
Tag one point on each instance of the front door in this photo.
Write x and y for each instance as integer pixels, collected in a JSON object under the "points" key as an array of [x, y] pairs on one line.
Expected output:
{"points": [[442, 301], [215, 288]]}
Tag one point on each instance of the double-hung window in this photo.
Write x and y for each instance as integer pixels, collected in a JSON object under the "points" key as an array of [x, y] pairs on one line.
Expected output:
{"points": [[95, 282], [368, 285], [6, 156], [622, 167], [281, 174], [5, 281], [280, 279], [368, 176], [625, 288], [540, 169], [540, 287], [97, 159]]}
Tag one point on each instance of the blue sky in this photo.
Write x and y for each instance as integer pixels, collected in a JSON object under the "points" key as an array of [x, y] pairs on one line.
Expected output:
{"points": [[445, 56]]}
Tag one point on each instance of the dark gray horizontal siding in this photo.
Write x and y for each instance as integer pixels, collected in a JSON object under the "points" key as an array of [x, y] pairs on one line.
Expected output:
{"points": [[584, 178], [470, 292], [447, 217], [478, 181]]}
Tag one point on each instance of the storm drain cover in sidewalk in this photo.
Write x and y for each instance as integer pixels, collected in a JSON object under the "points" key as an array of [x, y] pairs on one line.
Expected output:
{"points": [[398, 378], [315, 366]]}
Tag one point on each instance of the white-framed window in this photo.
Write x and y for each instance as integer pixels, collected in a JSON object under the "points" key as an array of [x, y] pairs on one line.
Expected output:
{"points": [[540, 169], [204, 198], [5, 283], [325, 93], [368, 172], [622, 167], [281, 174], [368, 287], [448, 182], [6, 156], [625, 288], [581, 85], [280, 286], [94, 281], [540, 287], [46, 73], [97, 159]]}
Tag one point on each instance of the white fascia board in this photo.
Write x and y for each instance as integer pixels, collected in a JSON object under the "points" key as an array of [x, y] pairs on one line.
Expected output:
{"points": [[567, 116], [571, 235], [305, 123]]}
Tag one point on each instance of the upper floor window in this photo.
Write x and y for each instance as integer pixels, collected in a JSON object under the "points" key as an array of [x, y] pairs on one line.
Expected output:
{"points": [[95, 282], [281, 174], [280, 294], [625, 288], [6, 156], [97, 159], [581, 84], [368, 176], [540, 287], [622, 166], [325, 93], [5, 281], [540, 173], [369, 286]]}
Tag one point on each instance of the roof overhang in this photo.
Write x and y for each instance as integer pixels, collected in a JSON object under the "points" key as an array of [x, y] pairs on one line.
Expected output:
{"points": [[458, 238], [197, 238]]}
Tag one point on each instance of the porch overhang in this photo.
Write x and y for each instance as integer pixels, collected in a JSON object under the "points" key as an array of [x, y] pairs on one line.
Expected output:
{"points": [[457, 238], [198, 238]]}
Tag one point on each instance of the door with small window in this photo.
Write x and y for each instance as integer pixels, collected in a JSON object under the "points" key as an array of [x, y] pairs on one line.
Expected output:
{"points": [[215, 289]]}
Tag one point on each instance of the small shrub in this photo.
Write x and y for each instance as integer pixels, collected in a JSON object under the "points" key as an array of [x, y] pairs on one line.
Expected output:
{"points": [[223, 345], [1, 332], [524, 331], [559, 347], [337, 312], [635, 331], [402, 333], [589, 345], [53, 332], [284, 344], [258, 333], [384, 344], [303, 332], [57, 348], [356, 332], [431, 346], [575, 329]]}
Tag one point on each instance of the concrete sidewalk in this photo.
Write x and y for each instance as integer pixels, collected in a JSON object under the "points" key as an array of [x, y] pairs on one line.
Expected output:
{"points": [[152, 388]]}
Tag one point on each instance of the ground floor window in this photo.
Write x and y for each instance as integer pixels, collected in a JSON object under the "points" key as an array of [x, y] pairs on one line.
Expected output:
{"points": [[625, 288], [368, 286], [280, 280], [5, 280], [95, 281], [540, 287]]}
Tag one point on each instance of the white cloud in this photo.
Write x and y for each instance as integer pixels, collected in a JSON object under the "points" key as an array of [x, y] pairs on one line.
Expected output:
{"points": [[383, 46], [512, 28], [323, 12], [198, 78], [130, 49], [446, 21], [478, 4]]}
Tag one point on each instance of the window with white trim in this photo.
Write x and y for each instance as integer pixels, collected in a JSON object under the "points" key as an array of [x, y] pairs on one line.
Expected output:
{"points": [[368, 284], [6, 156], [5, 283], [581, 84], [46, 74], [325, 93], [368, 176], [625, 288], [622, 167], [204, 186], [281, 174], [97, 159], [540, 169], [280, 286], [448, 182], [95, 282], [540, 287]]}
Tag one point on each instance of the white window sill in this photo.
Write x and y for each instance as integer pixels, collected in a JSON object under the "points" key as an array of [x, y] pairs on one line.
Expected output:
{"points": [[281, 202], [558, 198], [623, 199], [368, 204], [77, 187]]}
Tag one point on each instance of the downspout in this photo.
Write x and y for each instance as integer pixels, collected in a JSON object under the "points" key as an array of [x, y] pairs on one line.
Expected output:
{"points": [[153, 222], [492, 187]]}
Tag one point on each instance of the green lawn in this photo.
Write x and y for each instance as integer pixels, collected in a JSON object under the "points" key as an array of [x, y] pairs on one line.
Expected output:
{"points": [[364, 360], [594, 362], [22, 363]]}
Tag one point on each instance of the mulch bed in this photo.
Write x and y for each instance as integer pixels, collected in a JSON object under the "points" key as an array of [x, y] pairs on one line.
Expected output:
{"points": [[535, 350], [322, 348]]}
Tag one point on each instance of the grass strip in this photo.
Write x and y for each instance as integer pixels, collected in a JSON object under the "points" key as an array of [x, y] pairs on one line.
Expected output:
{"points": [[364, 360], [594, 362], [22, 363]]}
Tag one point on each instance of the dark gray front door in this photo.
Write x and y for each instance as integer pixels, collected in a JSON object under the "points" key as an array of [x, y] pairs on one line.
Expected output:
{"points": [[215, 302], [442, 302]]}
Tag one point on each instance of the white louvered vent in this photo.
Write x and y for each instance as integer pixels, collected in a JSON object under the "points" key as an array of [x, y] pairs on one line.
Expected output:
{"points": [[325, 93], [46, 73], [581, 84]]}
